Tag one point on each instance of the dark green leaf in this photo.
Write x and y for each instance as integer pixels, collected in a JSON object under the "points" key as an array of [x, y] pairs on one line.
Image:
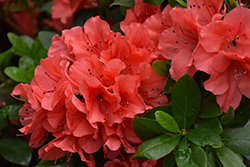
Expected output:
{"points": [[237, 140], [76, 161], [186, 156], [59, 163], [126, 3], [25, 63], [242, 114], [210, 108], [228, 158], [153, 2], [204, 136], [146, 128], [16, 151], [167, 121], [41, 54], [19, 46], [160, 67], [8, 110], [17, 74], [29, 41], [45, 38], [151, 112], [157, 147], [210, 154], [5, 54], [3, 123], [36, 45], [228, 118], [212, 123], [169, 160], [168, 88], [185, 101]]}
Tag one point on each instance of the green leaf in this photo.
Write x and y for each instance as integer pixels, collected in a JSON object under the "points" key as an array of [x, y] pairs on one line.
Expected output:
{"points": [[185, 101], [153, 2], [59, 163], [76, 161], [242, 113], [5, 54], [204, 136], [228, 158], [169, 160], [168, 88], [8, 110], [151, 112], [36, 45], [25, 63], [182, 3], [157, 147], [146, 128], [160, 67], [167, 121], [16, 151], [45, 38], [3, 123], [228, 118], [210, 108], [210, 154], [212, 123], [189, 156], [17, 74], [126, 3], [19, 46], [41, 54], [29, 41], [237, 140]]}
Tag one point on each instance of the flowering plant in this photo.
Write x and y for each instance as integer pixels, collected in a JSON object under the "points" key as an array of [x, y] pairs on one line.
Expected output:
{"points": [[165, 84]]}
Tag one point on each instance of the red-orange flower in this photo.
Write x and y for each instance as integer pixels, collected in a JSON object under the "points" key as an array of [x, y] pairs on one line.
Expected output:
{"points": [[223, 52]]}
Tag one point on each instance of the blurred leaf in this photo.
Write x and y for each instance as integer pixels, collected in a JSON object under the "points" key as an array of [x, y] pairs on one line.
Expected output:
{"points": [[17, 74], [237, 140], [52, 163], [153, 2], [212, 123], [167, 121], [169, 160], [228, 158], [189, 156], [41, 54], [151, 112], [204, 136], [16, 151], [185, 101], [15, 8], [25, 63], [160, 67], [19, 46], [36, 46], [210, 154], [157, 147], [29, 41], [76, 161], [228, 118], [146, 128], [45, 38], [126, 3], [3, 123], [8, 110], [5, 54], [210, 108]]}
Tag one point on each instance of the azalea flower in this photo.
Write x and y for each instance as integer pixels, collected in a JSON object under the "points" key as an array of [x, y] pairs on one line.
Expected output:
{"points": [[87, 91], [223, 53]]}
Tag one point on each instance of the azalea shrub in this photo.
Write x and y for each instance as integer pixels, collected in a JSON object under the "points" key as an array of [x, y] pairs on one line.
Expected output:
{"points": [[133, 83]]}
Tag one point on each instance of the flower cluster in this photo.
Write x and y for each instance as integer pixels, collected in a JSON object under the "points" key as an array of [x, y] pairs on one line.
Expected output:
{"points": [[87, 91]]}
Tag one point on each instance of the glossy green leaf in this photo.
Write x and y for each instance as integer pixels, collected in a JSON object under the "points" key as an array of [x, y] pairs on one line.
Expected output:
{"points": [[228, 158], [242, 114], [189, 156], [153, 2], [212, 123], [17, 74], [204, 136], [168, 88], [8, 110], [182, 3], [45, 38], [210, 154], [169, 160], [210, 108], [151, 112], [15, 151], [167, 121], [185, 101], [126, 3], [157, 147], [29, 41], [160, 67], [237, 140], [19, 46], [228, 118], [146, 128]]}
